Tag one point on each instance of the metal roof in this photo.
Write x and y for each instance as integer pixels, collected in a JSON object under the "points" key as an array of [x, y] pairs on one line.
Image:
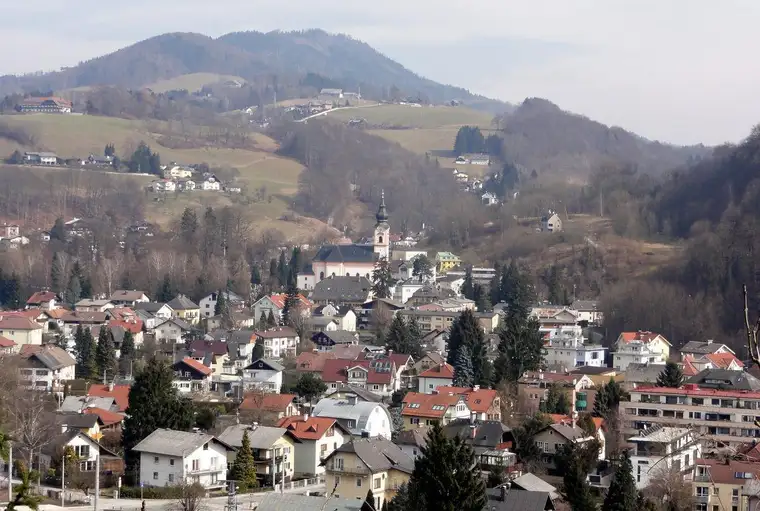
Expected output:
{"points": [[261, 437], [292, 502], [173, 443]]}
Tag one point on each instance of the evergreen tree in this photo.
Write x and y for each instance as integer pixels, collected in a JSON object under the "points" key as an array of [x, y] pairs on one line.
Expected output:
{"points": [[291, 306], [153, 403], [517, 293], [494, 292], [273, 269], [263, 320], [671, 376], [482, 367], [110, 150], [468, 288], [469, 139], [188, 225], [255, 275], [576, 490], [422, 267], [382, 279], [464, 331], [369, 502], [622, 495], [521, 348], [586, 423], [415, 331], [309, 386], [11, 292], [556, 401], [463, 372], [479, 297], [73, 291], [243, 470], [601, 402], [445, 476], [85, 285], [105, 354], [220, 308], [58, 232], [56, 273], [399, 338], [127, 350], [271, 320], [282, 269], [258, 350], [165, 292], [84, 349]]}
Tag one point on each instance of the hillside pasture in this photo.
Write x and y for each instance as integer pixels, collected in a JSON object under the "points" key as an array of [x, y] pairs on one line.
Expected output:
{"points": [[192, 82]]}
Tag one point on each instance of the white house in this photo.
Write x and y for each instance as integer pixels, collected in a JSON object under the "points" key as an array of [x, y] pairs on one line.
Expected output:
{"points": [[551, 223], [279, 342], [128, 297], [169, 457], [45, 300], [84, 447], [358, 417], [640, 348], [164, 185], [662, 448], [191, 376], [88, 305], [319, 437], [565, 348], [211, 184], [264, 374], [441, 375], [588, 311], [177, 172], [208, 303], [46, 368], [490, 199], [403, 291], [171, 330]]}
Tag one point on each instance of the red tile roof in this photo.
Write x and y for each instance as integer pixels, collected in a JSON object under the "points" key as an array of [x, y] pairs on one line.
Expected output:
{"points": [[134, 326], [723, 360], [268, 402], [558, 418], [336, 370], [57, 313], [40, 297], [421, 405], [121, 313], [643, 336], [313, 361], [311, 429], [8, 322], [692, 389], [440, 371], [725, 473], [107, 417], [206, 371], [120, 394], [6, 343], [279, 300], [479, 401]]}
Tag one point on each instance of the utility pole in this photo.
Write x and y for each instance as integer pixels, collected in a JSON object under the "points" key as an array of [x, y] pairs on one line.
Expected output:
{"points": [[282, 477], [232, 503], [63, 479], [97, 481], [10, 471]]}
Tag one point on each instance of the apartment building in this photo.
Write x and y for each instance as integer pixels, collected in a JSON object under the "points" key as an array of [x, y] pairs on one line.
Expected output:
{"points": [[565, 348], [442, 320], [730, 484], [719, 417], [661, 448], [640, 348], [533, 386]]}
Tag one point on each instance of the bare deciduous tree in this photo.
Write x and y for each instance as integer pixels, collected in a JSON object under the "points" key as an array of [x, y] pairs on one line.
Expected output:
{"points": [[32, 419], [668, 490], [192, 498]]}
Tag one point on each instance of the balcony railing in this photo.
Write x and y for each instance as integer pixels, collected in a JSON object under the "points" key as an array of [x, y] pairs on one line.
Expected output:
{"points": [[701, 499], [349, 470], [704, 478], [207, 470]]}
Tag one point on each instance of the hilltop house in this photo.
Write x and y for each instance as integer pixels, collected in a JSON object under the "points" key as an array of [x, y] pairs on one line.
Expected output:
{"points": [[551, 222], [445, 261], [45, 105], [129, 298]]}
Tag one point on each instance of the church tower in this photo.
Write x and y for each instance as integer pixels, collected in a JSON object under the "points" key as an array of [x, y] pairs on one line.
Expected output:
{"points": [[382, 241]]}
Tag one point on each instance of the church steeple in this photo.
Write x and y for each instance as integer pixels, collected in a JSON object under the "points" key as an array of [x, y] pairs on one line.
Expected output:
{"points": [[382, 213]]}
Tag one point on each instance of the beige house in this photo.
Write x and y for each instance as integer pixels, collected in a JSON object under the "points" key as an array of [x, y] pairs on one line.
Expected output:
{"points": [[364, 464], [551, 439], [21, 330], [273, 450], [533, 386], [442, 320]]}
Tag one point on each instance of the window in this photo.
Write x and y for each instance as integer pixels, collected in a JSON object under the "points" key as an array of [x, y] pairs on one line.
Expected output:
{"points": [[703, 491], [82, 451], [377, 483], [358, 482], [414, 420], [330, 431], [205, 447], [171, 462], [171, 478], [375, 387], [196, 465], [323, 449], [155, 476]]}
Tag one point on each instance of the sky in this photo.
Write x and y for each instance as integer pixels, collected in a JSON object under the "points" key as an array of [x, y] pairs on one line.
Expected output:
{"points": [[679, 71]]}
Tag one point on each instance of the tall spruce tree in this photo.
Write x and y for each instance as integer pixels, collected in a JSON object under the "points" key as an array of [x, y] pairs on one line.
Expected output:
{"points": [[463, 372], [576, 490], [221, 303], [58, 232], [105, 354], [290, 308], [56, 273], [84, 348], [483, 373], [464, 331], [382, 279], [671, 376], [165, 291], [622, 495], [127, 350], [399, 338], [271, 320], [153, 403], [517, 293], [468, 287], [521, 348], [445, 476], [243, 470], [369, 502]]}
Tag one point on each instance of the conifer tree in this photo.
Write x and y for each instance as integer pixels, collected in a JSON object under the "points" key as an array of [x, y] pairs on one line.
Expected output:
{"points": [[58, 232], [291, 305], [445, 476], [271, 321], [415, 331], [127, 350], [263, 320], [73, 291], [84, 348], [221, 304], [369, 502], [468, 287], [521, 348], [56, 273], [243, 470], [576, 490], [255, 275], [258, 351], [622, 495], [671, 376], [399, 339], [105, 354], [382, 279], [463, 373], [165, 292], [464, 331]]}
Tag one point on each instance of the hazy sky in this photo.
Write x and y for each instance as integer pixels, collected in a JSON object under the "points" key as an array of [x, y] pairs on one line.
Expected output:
{"points": [[682, 71]]}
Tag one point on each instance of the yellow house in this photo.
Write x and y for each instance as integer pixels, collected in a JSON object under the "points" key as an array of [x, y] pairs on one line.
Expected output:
{"points": [[718, 484], [88, 424], [273, 450], [368, 463], [444, 261], [435, 408], [185, 309]]}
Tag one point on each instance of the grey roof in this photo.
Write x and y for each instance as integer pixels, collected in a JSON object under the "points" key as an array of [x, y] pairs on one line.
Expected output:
{"points": [[322, 321], [343, 411], [725, 379], [342, 289], [346, 254], [261, 437], [266, 363], [126, 295], [86, 302], [151, 307], [272, 501], [173, 443], [241, 337], [340, 336], [182, 302], [360, 392], [378, 454], [488, 434], [518, 500], [78, 403], [53, 357], [702, 348], [416, 437], [643, 373], [184, 325], [585, 305], [569, 432], [534, 483], [79, 420], [592, 370]]}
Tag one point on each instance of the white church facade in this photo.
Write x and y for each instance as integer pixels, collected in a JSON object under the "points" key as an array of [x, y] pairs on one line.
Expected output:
{"points": [[350, 260]]}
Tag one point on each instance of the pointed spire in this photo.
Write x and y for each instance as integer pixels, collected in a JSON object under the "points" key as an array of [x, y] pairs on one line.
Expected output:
{"points": [[382, 214]]}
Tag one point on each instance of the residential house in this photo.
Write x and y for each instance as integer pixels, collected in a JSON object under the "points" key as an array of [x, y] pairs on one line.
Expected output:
{"points": [[554, 316], [533, 483], [378, 377], [89, 305], [342, 290], [504, 498], [484, 404], [45, 300], [89, 424], [20, 330], [330, 340], [551, 222], [186, 185], [642, 375], [120, 328], [490, 199], [411, 441], [47, 105], [449, 305], [169, 457], [550, 440], [452, 283], [698, 349], [397, 363], [8, 347], [318, 438], [436, 408], [9, 230], [640, 347], [368, 464], [533, 386], [360, 418], [490, 441], [40, 158], [344, 391], [331, 94], [435, 341], [128, 297], [279, 342], [46, 368], [691, 366], [344, 316], [164, 185], [278, 405], [659, 449], [119, 394], [565, 348], [717, 484], [172, 331], [429, 293], [173, 171], [404, 290], [185, 309], [445, 261], [87, 450], [191, 376], [588, 311], [275, 304], [441, 375], [211, 183], [208, 303], [264, 374], [108, 420], [599, 375], [273, 450], [91, 320], [442, 320]]}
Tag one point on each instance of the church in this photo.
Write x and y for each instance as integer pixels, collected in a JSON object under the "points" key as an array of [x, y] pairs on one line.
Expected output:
{"points": [[350, 260]]}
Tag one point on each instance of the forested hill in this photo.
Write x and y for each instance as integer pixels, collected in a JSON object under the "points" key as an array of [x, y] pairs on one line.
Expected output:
{"points": [[541, 136], [348, 62]]}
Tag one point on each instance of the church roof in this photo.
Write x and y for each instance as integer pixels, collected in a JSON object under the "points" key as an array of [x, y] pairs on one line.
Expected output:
{"points": [[346, 254], [382, 213]]}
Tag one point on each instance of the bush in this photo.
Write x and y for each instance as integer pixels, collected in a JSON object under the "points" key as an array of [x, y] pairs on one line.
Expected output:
{"points": [[151, 492]]}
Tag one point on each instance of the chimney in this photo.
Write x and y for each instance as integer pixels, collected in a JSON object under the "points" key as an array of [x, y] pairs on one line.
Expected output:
{"points": [[575, 418], [709, 341], [475, 388], [473, 417], [365, 434], [351, 399], [110, 386], [305, 417], [504, 490], [390, 353]]}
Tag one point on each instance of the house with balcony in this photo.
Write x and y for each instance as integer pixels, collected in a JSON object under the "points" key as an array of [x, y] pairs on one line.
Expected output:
{"points": [[279, 342], [565, 348], [719, 483], [490, 441], [588, 311], [375, 376], [484, 404], [273, 450], [169, 458], [640, 348], [721, 418], [318, 436], [659, 449], [442, 320], [533, 386], [46, 368], [263, 374], [436, 408], [551, 439], [191, 376], [185, 309], [368, 464]]}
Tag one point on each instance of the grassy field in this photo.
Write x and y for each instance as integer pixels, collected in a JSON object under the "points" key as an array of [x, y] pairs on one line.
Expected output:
{"points": [[191, 82], [423, 117]]}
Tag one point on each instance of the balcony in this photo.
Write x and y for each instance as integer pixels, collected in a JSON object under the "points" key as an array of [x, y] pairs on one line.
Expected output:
{"points": [[207, 470], [701, 499], [704, 478], [349, 470]]}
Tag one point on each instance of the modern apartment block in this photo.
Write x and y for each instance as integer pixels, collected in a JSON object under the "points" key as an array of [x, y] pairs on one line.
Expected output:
{"points": [[719, 417], [659, 449]]}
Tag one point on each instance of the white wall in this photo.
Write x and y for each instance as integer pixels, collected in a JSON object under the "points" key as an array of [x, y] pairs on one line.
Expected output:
{"points": [[379, 423], [309, 453], [168, 332], [270, 381], [24, 336], [428, 385], [170, 470], [342, 269]]}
